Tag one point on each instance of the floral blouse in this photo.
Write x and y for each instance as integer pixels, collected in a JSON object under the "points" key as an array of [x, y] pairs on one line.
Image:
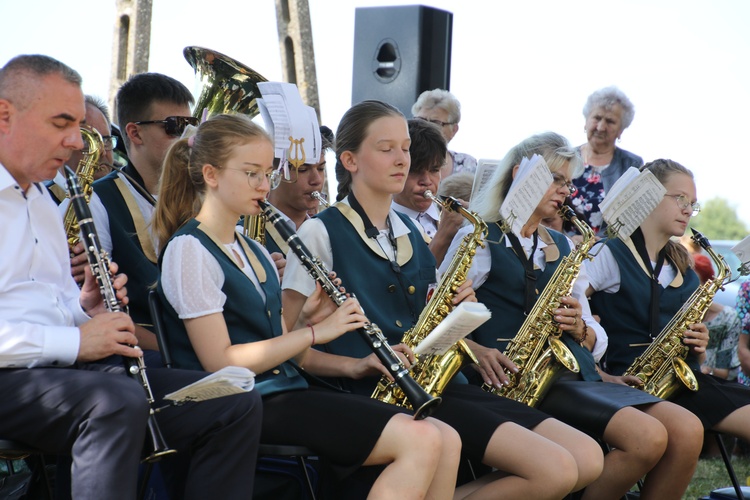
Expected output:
{"points": [[743, 311], [588, 195], [724, 334]]}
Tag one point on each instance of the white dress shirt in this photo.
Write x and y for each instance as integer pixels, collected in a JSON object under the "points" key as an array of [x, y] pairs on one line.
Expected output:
{"points": [[428, 219], [480, 269], [39, 300]]}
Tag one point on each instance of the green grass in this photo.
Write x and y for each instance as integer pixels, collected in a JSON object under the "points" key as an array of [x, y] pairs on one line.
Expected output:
{"points": [[712, 474]]}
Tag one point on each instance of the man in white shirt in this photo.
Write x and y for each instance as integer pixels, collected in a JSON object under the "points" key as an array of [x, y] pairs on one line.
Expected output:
{"points": [[60, 392]]}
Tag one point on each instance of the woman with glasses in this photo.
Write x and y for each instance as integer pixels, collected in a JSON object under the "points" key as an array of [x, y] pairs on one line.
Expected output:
{"points": [[638, 287], [222, 302], [649, 437], [441, 108]]}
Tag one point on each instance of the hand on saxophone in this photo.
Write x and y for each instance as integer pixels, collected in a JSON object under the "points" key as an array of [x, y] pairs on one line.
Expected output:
{"points": [[493, 364], [568, 317], [696, 337], [464, 293], [91, 298]]}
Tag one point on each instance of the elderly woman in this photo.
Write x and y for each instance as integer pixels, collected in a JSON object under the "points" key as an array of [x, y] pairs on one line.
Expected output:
{"points": [[608, 113], [440, 107]]}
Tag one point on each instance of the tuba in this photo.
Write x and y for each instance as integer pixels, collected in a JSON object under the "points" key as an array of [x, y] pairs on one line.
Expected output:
{"points": [[435, 371], [662, 367], [94, 146], [536, 349], [227, 86]]}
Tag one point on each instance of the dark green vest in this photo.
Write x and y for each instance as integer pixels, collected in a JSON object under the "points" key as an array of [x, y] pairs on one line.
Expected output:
{"points": [[504, 291], [248, 318], [625, 314], [126, 249], [386, 297]]}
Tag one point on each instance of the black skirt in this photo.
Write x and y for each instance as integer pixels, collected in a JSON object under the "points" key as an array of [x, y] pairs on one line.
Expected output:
{"points": [[476, 415], [714, 400], [589, 406], [341, 427]]}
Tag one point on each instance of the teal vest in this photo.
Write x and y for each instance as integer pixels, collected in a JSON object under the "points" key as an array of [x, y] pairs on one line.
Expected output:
{"points": [[504, 291], [126, 249], [625, 314], [248, 318], [391, 303]]}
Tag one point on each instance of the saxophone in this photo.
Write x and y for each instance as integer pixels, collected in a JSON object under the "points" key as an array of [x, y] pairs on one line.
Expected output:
{"points": [[85, 173], [662, 364], [254, 227], [536, 349], [433, 372]]}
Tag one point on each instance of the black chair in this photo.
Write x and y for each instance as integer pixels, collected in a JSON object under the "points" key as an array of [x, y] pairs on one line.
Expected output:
{"points": [[300, 454], [728, 464], [39, 485]]}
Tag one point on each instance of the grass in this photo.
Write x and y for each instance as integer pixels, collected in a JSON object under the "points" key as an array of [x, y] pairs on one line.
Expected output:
{"points": [[712, 474]]}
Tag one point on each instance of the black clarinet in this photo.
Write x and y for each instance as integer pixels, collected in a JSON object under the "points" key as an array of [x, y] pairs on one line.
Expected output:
{"points": [[99, 262], [422, 403]]}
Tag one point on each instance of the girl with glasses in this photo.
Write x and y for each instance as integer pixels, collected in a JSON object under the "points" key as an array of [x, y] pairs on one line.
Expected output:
{"points": [[652, 276], [222, 303]]}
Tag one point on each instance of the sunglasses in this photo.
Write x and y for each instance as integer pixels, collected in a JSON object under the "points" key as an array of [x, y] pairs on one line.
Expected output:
{"points": [[174, 125]]}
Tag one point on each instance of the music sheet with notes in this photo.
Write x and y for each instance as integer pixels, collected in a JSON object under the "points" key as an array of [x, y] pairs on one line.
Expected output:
{"points": [[630, 200], [225, 382], [464, 319], [530, 184]]}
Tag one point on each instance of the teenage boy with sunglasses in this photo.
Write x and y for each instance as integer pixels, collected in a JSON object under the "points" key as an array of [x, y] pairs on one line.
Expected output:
{"points": [[152, 112]]}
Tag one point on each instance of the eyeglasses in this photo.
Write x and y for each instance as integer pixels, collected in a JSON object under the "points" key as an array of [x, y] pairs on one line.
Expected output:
{"points": [[255, 177], [436, 122], [110, 142], [560, 181], [683, 202], [174, 125]]}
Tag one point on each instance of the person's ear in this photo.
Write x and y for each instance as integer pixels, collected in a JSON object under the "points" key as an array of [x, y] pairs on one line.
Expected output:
{"points": [[210, 175], [515, 170], [349, 161], [6, 112], [134, 133]]}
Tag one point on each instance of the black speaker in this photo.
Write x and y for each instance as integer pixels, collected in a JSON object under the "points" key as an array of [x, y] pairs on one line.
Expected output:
{"points": [[399, 52]]}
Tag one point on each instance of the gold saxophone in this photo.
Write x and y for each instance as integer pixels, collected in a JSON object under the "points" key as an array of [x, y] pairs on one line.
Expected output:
{"points": [[434, 372], [254, 227], [93, 148], [662, 364], [536, 349]]}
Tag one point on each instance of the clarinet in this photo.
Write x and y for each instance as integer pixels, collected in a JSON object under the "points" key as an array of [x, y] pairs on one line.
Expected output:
{"points": [[422, 402], [99, 262]]}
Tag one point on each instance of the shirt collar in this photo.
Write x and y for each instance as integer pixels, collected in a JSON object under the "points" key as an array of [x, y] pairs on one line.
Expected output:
{"points": [[433, 212], [7, 181]]}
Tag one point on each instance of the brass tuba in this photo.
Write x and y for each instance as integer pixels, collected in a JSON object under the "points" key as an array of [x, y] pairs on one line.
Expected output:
{"points": [[227, 86], [662, 367], [93, 149], [536, 349], [435, 371]]}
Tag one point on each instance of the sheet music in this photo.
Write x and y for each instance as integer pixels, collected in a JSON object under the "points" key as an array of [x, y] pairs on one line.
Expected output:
{"points": [[630, 200], [464, 319], [285, 116], [485, 170], [225, 382], [531, 183]]}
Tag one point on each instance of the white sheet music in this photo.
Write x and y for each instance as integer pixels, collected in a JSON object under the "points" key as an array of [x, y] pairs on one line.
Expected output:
{"points": [[464, 319], [225, 382], [529, 186], [630, 200], [485, 169]]}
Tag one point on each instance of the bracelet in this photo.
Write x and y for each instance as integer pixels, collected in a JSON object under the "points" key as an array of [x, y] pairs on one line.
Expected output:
{"points": [[312, 330], [585, 334]]}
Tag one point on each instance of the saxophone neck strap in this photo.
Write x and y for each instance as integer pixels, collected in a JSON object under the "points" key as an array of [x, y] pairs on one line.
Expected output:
{"points": [[639, 242], [531, 290]]}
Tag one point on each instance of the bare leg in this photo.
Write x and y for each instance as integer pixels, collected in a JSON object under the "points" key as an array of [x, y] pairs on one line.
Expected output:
{"points": [[736, 423], [638, 442], [412, 449], [527, 459], [444, 482], [671, 476], [586, 452]]}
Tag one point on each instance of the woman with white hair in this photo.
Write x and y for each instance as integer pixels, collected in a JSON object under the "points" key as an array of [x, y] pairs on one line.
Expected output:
{"points": [[608, 113], [440, 107]]}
